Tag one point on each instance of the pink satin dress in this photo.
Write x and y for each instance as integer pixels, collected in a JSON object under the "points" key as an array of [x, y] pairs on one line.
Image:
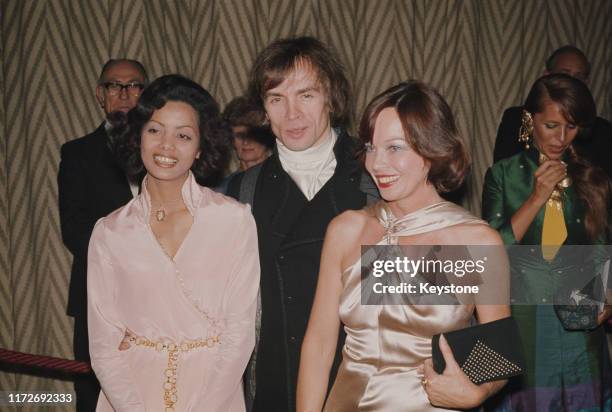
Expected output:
{"points": [[192, 316], [385, 344]]}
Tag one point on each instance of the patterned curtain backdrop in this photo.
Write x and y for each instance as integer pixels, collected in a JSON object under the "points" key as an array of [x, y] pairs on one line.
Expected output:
{"points": [[481, 54]]}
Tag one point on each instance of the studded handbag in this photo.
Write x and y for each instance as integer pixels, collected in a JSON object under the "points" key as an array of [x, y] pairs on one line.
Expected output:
{"points": [[486, 352]]}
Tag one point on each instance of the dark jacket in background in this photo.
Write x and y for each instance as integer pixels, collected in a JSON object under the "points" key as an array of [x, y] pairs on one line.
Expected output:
{"points": [[290, 234], [595, 144], [91, 184]]}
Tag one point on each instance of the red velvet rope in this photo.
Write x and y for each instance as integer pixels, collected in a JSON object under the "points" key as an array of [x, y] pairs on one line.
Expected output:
{"points": [[45, 362]]}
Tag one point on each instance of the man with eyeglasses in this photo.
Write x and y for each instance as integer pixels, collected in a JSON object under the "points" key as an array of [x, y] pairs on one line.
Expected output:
{"points": [[91, 185]]}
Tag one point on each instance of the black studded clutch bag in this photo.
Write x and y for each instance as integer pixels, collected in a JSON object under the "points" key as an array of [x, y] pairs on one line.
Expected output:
{"points": [[486, 352]]}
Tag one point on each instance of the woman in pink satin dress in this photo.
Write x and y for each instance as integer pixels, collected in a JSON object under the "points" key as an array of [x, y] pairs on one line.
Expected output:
{"points": [[413, 153], [173, 276]]}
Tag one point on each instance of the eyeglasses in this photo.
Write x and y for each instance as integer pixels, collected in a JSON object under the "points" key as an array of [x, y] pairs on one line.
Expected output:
{"points": [[115, 88]]}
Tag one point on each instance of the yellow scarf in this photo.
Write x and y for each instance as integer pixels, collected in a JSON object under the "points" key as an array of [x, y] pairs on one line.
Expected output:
{"points": [[554, 231]]}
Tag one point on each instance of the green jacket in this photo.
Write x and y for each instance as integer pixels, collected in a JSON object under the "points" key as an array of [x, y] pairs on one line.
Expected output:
{"points": [[508, 183], [537, 283]]}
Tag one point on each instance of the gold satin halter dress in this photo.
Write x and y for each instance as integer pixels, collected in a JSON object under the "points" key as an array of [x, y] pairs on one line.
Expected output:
{"points": [[385, 344]]}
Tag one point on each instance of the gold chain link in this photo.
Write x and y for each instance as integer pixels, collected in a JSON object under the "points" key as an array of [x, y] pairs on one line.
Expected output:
{"points": [[170, 391]]}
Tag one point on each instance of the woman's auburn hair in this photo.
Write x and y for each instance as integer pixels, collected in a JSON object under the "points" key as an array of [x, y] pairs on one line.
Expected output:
{"points": [[429, 128]]}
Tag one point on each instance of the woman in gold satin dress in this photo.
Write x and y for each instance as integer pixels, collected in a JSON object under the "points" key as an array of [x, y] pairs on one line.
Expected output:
{"points": [[413, 153]]}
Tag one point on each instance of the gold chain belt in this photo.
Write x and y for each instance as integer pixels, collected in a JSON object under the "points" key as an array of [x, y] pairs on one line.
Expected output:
{"points": [[173, 349]]}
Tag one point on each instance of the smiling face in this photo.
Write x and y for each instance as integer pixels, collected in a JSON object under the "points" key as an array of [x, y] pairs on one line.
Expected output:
{"points": [[552, 132], [298, 109], [170, 142], [399, 172]]}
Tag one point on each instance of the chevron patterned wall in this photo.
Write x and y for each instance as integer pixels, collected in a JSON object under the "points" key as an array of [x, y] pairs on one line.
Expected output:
{"points": [[482, 55]]}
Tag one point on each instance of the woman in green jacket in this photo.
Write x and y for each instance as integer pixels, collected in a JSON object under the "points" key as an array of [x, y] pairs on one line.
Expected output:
{"points": [[549, 196]]}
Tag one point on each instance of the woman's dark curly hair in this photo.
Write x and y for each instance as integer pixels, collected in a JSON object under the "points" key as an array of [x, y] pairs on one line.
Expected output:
{"points": [[214, 132]]}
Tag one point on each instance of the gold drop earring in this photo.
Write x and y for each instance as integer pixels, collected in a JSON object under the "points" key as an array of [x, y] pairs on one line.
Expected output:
{"points": [[526, 130]]}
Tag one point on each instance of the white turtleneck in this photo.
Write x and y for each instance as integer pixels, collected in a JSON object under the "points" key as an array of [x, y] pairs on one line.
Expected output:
{"points": [[310, 169]]}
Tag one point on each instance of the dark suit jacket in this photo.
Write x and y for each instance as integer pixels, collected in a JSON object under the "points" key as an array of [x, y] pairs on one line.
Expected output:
{"points": [[290, 234], [91, 185], [595, 144]]}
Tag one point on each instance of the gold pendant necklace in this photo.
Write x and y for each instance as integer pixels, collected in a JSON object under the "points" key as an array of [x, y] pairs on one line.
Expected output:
{"points": [[160, 213]]}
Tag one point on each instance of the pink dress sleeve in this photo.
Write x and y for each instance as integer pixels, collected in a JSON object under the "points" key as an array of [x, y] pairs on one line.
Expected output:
{"points": [[106, 331], [239, 306]]}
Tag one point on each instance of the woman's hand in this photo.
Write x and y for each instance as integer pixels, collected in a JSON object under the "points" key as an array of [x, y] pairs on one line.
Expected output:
{"points": [[547, 176], [451, 389], [125, 342], [604, 315]]}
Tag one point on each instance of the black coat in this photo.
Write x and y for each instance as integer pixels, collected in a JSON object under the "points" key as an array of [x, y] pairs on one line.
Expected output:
{"points": [[91, 184], [595, 144], [290, 234]]}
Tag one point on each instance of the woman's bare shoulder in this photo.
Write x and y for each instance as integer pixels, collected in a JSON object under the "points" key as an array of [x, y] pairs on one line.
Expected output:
{"points": [[349, 224], [348, 231], [475, 234]]}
